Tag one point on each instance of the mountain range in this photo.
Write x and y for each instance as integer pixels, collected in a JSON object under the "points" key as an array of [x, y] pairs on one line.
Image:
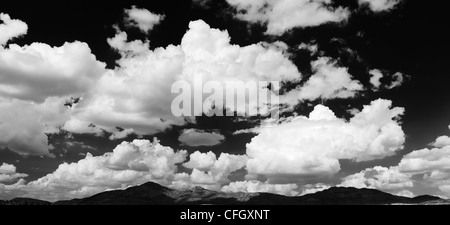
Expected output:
{"points": [[155, 194]]}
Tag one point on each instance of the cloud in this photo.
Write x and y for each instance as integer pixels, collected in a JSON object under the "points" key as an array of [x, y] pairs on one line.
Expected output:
{"points": [[81, 127], [137, 95], [379, 5], [12, 191], [311, 189], [381, 178], [405, 193], [38, 71], [208, 171], [426, 160], [130, 163], [24, 124], [142, 19], [197, 138], [428, 168], [128, 48], [399, 78], [284, 15], [442, 142], [201, 161], [376, 75], [261, 187], [35, 83], [134, 96], [313, 146], [8, 173], [328, 82], [11, 28]]}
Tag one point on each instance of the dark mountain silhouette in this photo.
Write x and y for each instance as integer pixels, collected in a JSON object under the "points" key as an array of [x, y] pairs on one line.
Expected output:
{"points": [[24, 201], [155, 194]]}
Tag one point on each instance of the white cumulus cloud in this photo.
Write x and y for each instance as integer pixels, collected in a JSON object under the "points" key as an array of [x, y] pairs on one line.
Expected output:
{"points": [[8, 173], [10, 28], [313, 146], [142, 18], [130, 163], [284, 15], [381, 178]]}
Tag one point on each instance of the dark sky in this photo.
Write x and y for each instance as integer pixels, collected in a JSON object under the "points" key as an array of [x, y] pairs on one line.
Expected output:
{"points": [[412, 39]]}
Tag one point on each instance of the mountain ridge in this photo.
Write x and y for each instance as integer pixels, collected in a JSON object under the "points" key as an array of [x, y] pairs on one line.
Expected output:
{"points": [[155, 194]]}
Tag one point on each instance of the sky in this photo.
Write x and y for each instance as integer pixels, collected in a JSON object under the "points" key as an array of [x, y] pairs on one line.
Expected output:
{"points": [[86, 96]]}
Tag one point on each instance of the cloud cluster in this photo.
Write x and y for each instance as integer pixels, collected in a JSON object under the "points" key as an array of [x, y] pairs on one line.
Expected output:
{"points": [[10, 28], [428, 167], [24, 124], [329, 82], [284, 15], [142, 19], [379, 5], [38, 71], [380, 178], [208, 171], [442, 141], [136, 96], [130, 163], [313, 146], [8, 173], [281, 16], [36, 81], [375, 79], [261, 187], [195, 138]]}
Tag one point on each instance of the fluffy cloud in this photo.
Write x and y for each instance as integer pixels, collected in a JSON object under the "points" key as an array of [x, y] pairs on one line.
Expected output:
{"points": [[426, 160], [128, 48], [201, 161], [261, 187], [329, 82], [379, 5], [432, 165], [36, 81], [380, 178], [137, 96], [283, 15], [11, 28], [196, 138], [38, 71], [313, 146], [442, 142], [427, 167], [129, 164], [12, 191], [142, 18], [24, 124], [208, 171], [8, 173]]}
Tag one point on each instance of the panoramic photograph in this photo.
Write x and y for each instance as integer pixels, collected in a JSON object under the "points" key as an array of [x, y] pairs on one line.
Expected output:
{"points": [[224, 102]]}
